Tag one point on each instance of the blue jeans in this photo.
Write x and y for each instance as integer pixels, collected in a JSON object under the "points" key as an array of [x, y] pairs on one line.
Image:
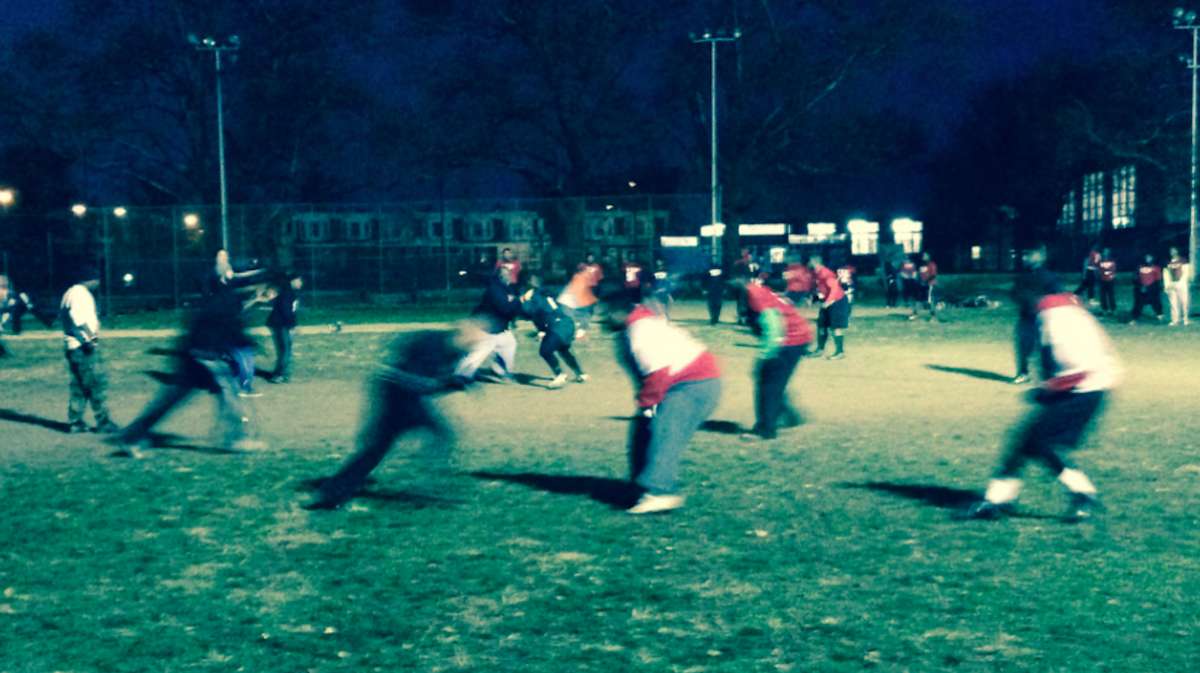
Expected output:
{"points": [[655, 462]]}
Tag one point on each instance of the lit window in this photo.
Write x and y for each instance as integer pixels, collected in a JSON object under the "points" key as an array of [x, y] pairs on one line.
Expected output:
{"points": [[977, 252], [1124, 197], [864, 237], [908, 234], [1069, 213], [1093, 203]]}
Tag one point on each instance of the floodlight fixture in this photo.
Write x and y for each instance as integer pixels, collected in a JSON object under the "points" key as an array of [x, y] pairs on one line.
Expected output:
{"points": [[8, 197], [191, 220], [79, 209], [120, 211]]}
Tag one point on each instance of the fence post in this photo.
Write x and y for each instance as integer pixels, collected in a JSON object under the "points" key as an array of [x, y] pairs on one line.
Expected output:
{"points": [[312, 266], [173, 226]]}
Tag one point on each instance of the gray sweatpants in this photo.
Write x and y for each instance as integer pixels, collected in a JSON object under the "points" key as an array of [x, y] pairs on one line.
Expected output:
{"points": [[679, 415]]}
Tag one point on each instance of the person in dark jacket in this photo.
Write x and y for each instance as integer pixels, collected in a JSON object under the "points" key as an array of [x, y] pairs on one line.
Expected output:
{"points": [[714, 292], [557, 329], [282, 323], [204, 362], [498, 307], [1029, 287], [419, 367]]}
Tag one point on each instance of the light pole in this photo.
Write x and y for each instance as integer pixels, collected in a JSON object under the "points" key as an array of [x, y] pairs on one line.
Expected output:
{"points": [[1186, 20], [712, 39], [232, 43], [8, 197]]}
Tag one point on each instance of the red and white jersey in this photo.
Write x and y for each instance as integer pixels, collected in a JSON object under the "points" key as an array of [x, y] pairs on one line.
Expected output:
{"points": [[1178, 272], [665, 355], [632, 271], [798, 277], [1077, 356], [928, 272], [1108, 270], [796, 330], [1149, 274], [845, 275], [829, 289], [908, 270], [513, 266]]}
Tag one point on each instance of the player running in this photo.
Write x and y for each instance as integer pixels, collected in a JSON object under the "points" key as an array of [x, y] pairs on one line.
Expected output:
{"points": [[785, 338], [558, 332], [834, 315]]}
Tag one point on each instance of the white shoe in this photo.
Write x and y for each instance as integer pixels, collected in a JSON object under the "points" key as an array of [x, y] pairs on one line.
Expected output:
{"points": [[650, 503], [558, 381], [247, 444], [582, 378]]}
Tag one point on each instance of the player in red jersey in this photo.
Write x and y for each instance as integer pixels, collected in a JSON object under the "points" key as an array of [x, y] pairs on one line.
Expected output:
{"points": [[579, 296], [509, 262], [1091, 269], [785, 338], [834, 315], [1107, 275], [927, 273], [910, 286], [1176, 279], [1147, 289], [631, 273], [799, 283]]}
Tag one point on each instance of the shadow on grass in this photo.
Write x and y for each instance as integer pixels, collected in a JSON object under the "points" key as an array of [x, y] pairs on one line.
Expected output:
{"points": [[166, 441], [14, 416], [413, 499], [973, 373], [616, 493], [715, 426], [942, 497]]}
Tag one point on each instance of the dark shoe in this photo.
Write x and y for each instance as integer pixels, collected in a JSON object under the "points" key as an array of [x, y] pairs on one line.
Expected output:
{"points": [[1083, 507], [278, 379], [837, 356], [108, 428], [987, 511], [77, 428]]}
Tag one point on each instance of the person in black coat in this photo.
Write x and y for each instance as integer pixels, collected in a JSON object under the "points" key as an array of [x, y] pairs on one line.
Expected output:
{"points": [[557, 330], [1033, 283], [282, 322], [419, 367], [496, 310]]}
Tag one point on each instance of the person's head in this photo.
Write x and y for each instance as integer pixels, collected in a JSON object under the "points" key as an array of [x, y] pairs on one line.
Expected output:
{"points": [[506, 254], [590, 258], [222, 257], [1174, 252], [297, 282], [1035, 257], [1149, 258], [925, 257]]}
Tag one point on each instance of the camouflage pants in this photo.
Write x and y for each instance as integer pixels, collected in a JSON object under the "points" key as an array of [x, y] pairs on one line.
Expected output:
{"points": [[88, 384]]}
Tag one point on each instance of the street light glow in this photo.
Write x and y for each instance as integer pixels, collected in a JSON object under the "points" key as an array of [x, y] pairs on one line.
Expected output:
{"points": [[7, 197], [79, 209], [120, 211], [191, 220]]}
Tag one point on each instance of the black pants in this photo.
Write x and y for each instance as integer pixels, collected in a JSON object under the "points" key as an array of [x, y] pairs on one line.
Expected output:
{"points": [[1087, 285], [1053, 428], [1149, 295], [771, 398], [1108, 297], [716, 299], [193, 376], [282, 337], [553, 346], [893, 292], [1024, 342], [393, 412]]}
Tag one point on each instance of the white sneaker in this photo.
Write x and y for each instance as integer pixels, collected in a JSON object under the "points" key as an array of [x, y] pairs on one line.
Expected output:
{"points": [[650, 503], [582, 378], [558, 381]]}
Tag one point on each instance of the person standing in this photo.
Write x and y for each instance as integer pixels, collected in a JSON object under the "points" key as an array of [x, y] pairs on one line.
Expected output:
{"points": [[558, 332], [927, 274], [744, 269], [1079, 368], [1091, 268], [1147, 289], [509, 262], [714, 291], [834, 315], [81, 337], [678, 387], [579, 296], [1176, 282], [785, 337], [419, 367], [891, 281], [910, 286], [282, 323], [496, 310], [799, 283], [1107, 280], [1030, 286], [631, 271]]}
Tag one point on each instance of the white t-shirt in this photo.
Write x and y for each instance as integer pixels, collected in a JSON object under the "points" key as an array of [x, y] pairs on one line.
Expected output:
{"points": [[79, 308]]}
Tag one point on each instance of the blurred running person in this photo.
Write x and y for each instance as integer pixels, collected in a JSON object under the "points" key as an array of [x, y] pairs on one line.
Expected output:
{"points": [[678, 387], [799, 283], [1107, 280], [1147, 290], [81, 337], [496, 310], [785, 338], [834, 316], [557, 328], [400, 398], [1079, 367], [579, 296], [1176, 281], [282, 322]]}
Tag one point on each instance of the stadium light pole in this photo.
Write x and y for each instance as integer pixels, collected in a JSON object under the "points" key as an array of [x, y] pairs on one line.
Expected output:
{"points": [[232, 43], [712, 39], [1186, 20], [8, 197]]}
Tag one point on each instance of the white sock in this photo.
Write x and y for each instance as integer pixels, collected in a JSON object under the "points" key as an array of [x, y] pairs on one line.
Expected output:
{"points": [[1000, 491], [1076, 481]]}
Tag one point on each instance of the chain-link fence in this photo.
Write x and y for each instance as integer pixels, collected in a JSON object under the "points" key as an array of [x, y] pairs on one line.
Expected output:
{"points": [[159, 257]]}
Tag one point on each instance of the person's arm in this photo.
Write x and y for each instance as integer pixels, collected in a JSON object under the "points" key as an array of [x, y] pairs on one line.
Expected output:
{"points": [[772, 326], [83, 316]]}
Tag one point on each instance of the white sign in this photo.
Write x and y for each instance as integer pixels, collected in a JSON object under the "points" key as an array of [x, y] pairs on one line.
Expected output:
{"points": [[822, 229], [762, 229], [711, 230], [680, 241]]}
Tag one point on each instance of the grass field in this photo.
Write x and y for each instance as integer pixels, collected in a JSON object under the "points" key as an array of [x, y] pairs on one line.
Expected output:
{"points": [[833, 548]]}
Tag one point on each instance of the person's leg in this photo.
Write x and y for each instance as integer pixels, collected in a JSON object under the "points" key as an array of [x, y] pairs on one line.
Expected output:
{"points": [[279, 340], [549, 346], [569, 358], [506, 353], [1137, 304], [822, 330], [95, 385], [164, 401], [768, 393], [1185, 302], [77, 402], [1156, 301], [471, 362], [790, 416], [679, 415], [1025, 341]]}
